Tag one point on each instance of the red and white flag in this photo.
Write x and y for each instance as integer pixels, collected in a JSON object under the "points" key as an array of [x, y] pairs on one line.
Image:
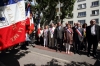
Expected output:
{"points": [[32, 27], [28, 18], [12, 23], [28, 15]]}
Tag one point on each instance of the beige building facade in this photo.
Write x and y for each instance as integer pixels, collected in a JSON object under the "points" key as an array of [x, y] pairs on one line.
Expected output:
{"points": [[84, 11]]}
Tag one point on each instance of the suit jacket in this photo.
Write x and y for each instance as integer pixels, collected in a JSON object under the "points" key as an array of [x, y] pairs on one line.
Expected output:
{"points": [[74, 33], [76, 36], [88, 32], [59, 33], [82, 32]]}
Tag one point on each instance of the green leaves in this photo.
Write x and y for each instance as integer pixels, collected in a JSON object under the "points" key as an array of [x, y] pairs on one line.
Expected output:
{"points": [[50, 12]]}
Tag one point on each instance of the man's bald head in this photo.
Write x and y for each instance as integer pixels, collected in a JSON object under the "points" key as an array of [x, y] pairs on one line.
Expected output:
{"points": [[59, 23], [66, 23], [78, 24], [92, 22], [75, 23]]}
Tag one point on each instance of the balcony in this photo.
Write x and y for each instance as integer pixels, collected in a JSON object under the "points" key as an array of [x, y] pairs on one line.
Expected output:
{"points": [[81, 16], [94, 6], [80, 0], [81, 8], [94, 14]]}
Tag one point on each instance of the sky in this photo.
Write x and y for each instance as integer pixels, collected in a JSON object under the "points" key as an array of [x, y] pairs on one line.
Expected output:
{"points": [[32, 2]]}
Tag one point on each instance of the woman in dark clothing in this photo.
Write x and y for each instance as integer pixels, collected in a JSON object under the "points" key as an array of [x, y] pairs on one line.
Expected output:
{"points": [[84, 40]]}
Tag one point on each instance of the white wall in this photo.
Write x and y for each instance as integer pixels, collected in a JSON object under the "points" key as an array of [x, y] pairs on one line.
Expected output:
{"points": [[65, 21], [88, 12]]}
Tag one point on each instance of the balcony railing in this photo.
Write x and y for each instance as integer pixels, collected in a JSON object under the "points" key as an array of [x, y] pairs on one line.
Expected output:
{"points": [[94, 6], [80, 0], [94, 14], [81, 16], [81, 8]]}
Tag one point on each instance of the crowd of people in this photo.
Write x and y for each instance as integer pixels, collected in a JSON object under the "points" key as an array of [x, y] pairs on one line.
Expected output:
{"points": [[79, 37]]}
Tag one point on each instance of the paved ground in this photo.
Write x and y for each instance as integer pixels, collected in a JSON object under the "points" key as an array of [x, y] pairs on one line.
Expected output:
{"points": [[40, 56]]}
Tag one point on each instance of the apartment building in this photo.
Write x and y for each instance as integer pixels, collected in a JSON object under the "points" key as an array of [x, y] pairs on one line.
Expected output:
{"points": [[84, 11]]}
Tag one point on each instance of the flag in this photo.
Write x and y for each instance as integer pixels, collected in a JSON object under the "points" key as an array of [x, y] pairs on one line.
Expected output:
{"points": [[38, 29], [28, 15], [32, 24], [28, 18], [32, 27], [12, 23]]}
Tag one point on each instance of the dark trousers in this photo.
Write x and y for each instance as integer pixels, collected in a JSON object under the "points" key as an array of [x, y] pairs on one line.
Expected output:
{"points": [[51, 42], [59, 44], [93, 41], [84, 44], [77, 46], [41, 40]]}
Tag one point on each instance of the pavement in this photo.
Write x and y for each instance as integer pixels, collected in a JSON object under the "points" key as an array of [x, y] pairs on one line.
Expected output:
{"points": [[43, 56]]}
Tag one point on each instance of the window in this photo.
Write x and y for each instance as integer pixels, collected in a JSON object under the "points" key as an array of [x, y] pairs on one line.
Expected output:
{"points": [[70, 22], [95, 3], [97, 21], [82, 14], [80, 0], [81, 21], [95, 12], [82, 6]]}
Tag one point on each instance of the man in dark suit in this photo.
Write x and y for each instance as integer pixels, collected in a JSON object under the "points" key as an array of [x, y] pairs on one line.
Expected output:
{"points": [[93, 36], [74, 36], [59, 36], [78, 38]]}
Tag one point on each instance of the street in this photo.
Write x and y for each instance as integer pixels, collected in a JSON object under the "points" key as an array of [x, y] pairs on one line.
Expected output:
{"points": [[40, 56]]}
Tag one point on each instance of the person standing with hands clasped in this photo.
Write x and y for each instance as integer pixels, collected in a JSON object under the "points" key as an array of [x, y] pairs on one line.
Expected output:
{"points": [[79, 38], [93, 36], [59, 36], [68, 38], [45, 35]]}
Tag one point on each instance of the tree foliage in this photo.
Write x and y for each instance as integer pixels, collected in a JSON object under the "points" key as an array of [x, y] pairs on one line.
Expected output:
{"points": [[48, 8]]}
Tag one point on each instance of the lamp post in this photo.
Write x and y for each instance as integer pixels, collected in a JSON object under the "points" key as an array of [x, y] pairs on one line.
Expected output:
{"points": [[59, 9]]}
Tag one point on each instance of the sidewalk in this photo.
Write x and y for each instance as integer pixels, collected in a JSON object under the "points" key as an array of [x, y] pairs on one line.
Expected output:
{"points": [[43, 56], [76, 58]]}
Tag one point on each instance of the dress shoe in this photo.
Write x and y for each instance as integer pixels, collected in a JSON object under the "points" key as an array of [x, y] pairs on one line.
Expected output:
{"points": [[94, 56], [88, 55], [56, 50], [60, 51], [79, 53], [74, 52]]}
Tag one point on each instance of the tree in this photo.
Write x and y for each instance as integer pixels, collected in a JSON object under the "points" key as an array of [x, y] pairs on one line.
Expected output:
{"points": [[48, 8], [67, 8]]}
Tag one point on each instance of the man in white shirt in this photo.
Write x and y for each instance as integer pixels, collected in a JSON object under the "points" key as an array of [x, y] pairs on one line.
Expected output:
{"points": [[51, 35], [93, 30], [93, 36], [45, 35]]}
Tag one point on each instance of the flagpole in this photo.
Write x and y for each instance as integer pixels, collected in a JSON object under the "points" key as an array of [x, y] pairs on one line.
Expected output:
{"points": [[59, 9]]}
